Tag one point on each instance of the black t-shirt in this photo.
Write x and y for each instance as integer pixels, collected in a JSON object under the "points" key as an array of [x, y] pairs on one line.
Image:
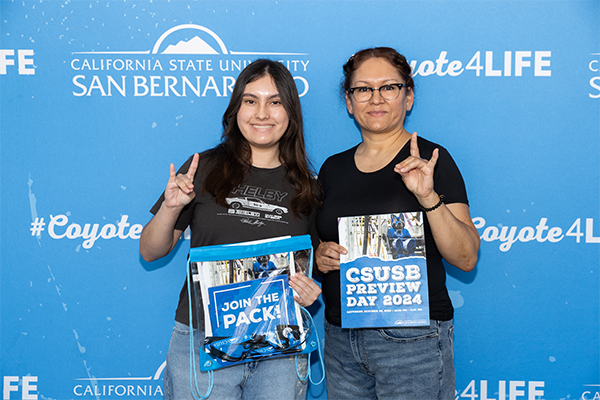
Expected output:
{"points": [[349, 192], [259, 208]]}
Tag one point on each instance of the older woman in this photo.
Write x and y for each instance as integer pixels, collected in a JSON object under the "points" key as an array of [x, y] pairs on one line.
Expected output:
{"points": [[262, 151], [392, 171]]}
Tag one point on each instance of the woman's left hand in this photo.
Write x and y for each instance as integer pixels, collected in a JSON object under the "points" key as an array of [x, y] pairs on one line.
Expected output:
{"points": [[308, 291], [417, 173], [451, 226]]}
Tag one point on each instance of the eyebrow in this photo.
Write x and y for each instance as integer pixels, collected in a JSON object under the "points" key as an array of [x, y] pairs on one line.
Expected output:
{"points": [[256, 97], [384, 82]]}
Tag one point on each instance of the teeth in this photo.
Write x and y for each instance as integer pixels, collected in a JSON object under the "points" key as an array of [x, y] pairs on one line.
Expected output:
{"points": [[262, 126]]}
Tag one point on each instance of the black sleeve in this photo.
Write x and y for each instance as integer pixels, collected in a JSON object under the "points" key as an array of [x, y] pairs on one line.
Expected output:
{"points": [[448, 180]]}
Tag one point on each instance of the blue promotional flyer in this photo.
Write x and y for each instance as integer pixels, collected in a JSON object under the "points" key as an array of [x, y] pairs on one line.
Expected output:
{"points": [[99, 97], [384, 274]]}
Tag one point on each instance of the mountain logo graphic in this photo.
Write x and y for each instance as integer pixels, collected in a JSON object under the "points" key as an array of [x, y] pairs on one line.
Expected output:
{"points": [[193, 46]]}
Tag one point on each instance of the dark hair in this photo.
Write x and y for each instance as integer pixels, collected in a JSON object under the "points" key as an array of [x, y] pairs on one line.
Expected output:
{"points": [[230, 161], [396, 59]]}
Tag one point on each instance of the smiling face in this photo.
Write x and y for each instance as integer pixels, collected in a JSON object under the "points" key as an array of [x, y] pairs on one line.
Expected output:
{"points": [[262, 119], [379, 115]]}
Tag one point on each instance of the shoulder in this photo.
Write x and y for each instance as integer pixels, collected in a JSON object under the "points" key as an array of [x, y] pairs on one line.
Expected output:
{"points": [[211, 156], [212, 160], [337, 167], [208, 160], [426, 148], [339, 160], [206, 157], [445, 160]]}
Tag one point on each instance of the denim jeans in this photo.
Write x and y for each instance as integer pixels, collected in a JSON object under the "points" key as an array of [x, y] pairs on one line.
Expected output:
{"points": [[394, 363], [275, 378]]}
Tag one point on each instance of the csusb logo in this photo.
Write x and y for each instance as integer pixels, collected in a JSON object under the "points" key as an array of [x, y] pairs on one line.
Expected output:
{"points": [[126, 386], [187, 60]]}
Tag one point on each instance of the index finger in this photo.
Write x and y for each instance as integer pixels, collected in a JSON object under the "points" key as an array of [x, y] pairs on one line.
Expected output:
{"points": [[414, 148], [193, 167]]}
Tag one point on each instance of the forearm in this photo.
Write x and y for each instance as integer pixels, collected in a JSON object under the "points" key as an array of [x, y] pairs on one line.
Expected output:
{"points": [[455, 235], [159, 236]]}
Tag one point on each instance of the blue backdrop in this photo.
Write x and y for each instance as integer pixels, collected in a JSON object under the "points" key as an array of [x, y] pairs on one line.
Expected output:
{"points": [[98, 97]]}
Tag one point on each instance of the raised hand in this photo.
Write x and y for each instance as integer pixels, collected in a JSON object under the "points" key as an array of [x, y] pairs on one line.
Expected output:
{"points": [[180, 188], [417, 173]]}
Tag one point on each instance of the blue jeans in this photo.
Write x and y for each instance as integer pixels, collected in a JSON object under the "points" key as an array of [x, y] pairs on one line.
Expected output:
{"points": [[394, 363], [268, 379]]}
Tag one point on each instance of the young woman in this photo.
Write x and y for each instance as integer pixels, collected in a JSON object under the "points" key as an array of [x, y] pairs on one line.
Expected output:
{"points": [[261, 156], [392, 171]]}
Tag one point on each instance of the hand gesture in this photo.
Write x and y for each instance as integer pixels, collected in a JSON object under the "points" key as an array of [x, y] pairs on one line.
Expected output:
{"points": [[417, 173], [180, 188], [328, 256], [308, 291]]}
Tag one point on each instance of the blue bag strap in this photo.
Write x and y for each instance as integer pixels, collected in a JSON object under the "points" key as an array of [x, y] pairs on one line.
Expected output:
{"points": [[193, 370], [243, 250], [313, 342]]}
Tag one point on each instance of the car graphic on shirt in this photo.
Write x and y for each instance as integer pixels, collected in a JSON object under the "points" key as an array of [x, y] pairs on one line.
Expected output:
{"points": [[255, 203]]}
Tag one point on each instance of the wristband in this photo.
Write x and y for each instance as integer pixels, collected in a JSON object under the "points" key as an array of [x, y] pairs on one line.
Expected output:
{"points": [[442, 197]]}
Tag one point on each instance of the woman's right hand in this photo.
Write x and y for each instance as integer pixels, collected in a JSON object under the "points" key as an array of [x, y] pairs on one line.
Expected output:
{"points": [[159, 236], [328, 256], [180, 188]]}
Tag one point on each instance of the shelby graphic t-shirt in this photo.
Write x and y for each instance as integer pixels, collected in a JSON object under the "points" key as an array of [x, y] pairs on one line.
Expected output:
{"points": [[259, 208]]}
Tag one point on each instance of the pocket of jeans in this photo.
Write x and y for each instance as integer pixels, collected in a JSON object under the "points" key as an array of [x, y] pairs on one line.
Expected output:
{"points": [[406, 335]]}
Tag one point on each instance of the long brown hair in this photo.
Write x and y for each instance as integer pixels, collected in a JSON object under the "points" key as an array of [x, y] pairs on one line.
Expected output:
{"points": [[230, 161]]}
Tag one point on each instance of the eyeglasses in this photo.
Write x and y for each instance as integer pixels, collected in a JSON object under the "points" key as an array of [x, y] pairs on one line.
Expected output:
{"points": [[362, 94]]}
